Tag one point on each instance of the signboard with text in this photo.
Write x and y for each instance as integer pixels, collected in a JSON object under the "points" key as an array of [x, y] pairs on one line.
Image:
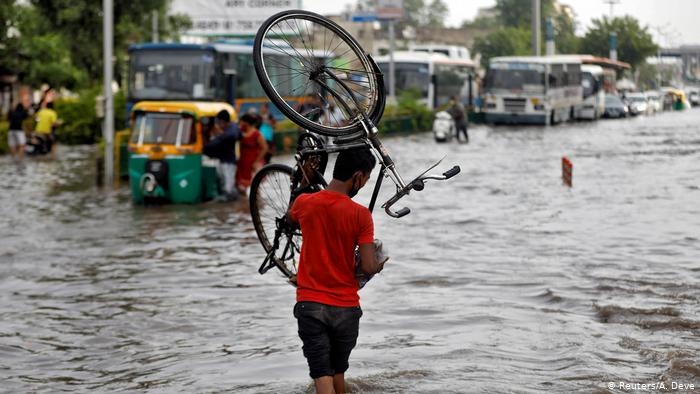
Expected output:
{"points": [[229, 17], [390, 9]]}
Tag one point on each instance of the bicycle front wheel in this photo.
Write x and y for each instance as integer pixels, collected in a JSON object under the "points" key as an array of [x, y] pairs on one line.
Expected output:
{"points": [[270, 197], [302, 54]]}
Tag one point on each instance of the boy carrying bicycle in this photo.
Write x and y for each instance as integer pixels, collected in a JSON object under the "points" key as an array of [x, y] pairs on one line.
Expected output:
{"points": [[328, 307]]}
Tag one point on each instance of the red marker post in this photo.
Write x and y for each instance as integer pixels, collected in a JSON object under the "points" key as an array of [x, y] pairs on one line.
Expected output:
{"points": [[567, 170]]}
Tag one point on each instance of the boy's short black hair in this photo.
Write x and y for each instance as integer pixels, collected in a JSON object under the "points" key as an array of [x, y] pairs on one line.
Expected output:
{"points": [[223, 115], [351, 161], [251, 119]]}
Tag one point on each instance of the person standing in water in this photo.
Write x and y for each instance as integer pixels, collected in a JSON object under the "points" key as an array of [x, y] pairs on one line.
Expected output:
{"points": [[16, 138], [328, 305]]}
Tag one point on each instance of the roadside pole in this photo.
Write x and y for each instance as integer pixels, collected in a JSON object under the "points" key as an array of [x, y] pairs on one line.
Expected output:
{"points": [[390, 11], [154, 26], [108, 129], [392, 69], [536, 28]]}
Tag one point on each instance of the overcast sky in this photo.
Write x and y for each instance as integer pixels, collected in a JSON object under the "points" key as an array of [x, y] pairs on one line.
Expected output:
{"points": [[672, 22]]}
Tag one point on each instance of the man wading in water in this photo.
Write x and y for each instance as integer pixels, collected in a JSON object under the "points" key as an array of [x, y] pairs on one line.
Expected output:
{"points": [[328, 307]]}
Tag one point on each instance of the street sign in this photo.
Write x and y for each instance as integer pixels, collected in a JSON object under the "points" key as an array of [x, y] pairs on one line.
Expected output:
{"points": [[390, 9], [364, 17]]}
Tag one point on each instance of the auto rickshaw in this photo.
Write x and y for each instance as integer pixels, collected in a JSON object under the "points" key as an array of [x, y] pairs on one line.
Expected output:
{"points": [[165, 151]]}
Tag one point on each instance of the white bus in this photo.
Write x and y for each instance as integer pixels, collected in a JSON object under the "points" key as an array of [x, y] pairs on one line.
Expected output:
{"points": [[451, 51], [433, 76], [593, 104], [534, 90]]}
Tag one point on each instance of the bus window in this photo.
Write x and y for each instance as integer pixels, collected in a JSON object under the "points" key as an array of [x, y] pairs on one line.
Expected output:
{"points": [[409, 76], [449, 82], [520, 79], [171, 75]]}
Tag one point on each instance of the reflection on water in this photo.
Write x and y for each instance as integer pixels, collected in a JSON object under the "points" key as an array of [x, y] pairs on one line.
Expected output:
{"points": [[501, 280]]}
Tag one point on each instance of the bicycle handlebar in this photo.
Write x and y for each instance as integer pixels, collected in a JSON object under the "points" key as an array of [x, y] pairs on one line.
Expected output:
{"points": [[417, 184]]}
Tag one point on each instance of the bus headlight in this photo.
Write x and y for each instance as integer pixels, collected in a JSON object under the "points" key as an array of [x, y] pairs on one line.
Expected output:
{"points": [[539, 107], [491, 105]]}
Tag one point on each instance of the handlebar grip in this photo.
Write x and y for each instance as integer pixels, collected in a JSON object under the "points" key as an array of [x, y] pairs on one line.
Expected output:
{"points": [[451, 172], [400, 213]]}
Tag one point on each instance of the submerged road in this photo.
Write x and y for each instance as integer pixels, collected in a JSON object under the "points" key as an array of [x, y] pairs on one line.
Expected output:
{"points": [[500, 280]]}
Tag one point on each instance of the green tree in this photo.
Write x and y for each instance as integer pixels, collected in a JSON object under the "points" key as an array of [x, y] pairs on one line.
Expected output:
{"points": [[518, 13], [565, 34], [415, 13], [634, 42], [37, 54], [503, 42], [481, 23], [437, 13], [79, 22]]}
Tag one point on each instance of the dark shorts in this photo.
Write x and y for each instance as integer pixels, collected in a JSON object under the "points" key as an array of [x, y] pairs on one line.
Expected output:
{"points": [[329, 333]]}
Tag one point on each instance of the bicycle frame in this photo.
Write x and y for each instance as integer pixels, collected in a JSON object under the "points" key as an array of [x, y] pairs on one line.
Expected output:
{"points": [[370, 134]]}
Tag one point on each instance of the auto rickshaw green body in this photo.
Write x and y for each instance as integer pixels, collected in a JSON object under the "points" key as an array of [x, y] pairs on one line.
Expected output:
{"points": [[165, 159]]}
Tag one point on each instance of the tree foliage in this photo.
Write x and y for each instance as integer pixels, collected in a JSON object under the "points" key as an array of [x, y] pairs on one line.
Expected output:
{"points": [[503, 42], [59, 42], [80, 21], [517, 15], [437, 13], [634, 42]]}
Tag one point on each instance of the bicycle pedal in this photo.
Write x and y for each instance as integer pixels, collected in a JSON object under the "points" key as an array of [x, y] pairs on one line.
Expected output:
{"points": [[266, 264]]}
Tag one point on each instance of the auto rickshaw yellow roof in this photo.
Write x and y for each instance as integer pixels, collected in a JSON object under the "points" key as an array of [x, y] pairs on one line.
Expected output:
{"points": [[199, 108]]}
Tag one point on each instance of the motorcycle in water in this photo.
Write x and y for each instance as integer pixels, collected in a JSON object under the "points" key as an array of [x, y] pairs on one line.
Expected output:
{"points": [[444, 128], [38, 144]]}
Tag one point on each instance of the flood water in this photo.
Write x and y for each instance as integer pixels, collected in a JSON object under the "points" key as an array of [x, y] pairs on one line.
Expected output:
{"points": [[500, 280]]}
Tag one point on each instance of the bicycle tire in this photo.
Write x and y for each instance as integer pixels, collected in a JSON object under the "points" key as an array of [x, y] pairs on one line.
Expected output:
{"points": [[270, 197], [282, 34]]}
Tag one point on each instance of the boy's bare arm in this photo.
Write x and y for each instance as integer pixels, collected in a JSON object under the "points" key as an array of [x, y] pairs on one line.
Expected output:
{"points": [[368, 259]]}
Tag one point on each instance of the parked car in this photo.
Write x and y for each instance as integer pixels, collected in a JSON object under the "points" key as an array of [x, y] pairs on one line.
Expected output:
{"points": [[638, 104], [614, 107]]}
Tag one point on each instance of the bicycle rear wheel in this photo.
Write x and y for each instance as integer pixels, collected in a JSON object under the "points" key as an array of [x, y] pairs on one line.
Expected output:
{"points": [[270, 197], [300, 53]]}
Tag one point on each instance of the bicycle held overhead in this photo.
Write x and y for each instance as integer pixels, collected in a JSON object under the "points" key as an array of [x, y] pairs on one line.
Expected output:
{"points": [[325, 61]]}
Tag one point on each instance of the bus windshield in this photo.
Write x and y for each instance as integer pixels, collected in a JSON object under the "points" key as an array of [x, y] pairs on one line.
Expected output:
{"points": [[590, 84], [163, 128], [184, 74], [409, 77], [451, 80], [522, 79]]}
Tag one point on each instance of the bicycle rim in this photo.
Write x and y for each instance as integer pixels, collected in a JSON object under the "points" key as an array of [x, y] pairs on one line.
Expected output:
{"points": [[270, 196], [294, 51]]}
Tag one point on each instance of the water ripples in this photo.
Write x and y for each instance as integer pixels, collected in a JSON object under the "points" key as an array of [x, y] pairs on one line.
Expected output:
{"points": [[500, 280]]}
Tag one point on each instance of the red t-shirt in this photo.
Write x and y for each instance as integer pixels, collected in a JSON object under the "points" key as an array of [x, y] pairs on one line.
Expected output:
{"points": [[332, 225]]}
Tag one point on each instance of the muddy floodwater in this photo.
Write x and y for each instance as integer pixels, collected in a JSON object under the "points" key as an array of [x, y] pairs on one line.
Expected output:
{"points": [[500, 280]]}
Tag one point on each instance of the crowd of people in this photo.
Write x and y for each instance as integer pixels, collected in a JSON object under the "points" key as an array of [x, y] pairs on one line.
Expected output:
{"points": [[41, 132], [236, 171]]}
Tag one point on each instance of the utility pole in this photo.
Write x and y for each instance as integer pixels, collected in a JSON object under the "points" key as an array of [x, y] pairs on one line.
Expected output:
{"points": [[392, 65], [612, 4], [536, 27], [108, 130], [154, 26]]}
